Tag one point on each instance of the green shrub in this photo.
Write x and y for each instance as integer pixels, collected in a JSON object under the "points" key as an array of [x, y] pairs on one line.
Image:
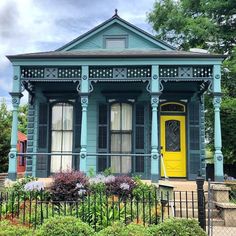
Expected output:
{"points": [[174, 227], [119, 229], [7, 229], [136, 230], [66, 226]]}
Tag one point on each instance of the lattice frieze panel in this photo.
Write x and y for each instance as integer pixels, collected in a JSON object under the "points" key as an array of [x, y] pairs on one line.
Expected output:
{"points": [[101, 72], [139, 72], [168, 71], [202, 71], [32, 72], [185, 71], [69, 72]]}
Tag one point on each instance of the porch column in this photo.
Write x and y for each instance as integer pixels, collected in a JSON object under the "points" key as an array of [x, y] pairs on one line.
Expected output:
{"points": [[218, 156], [155, 93], [84, 90], [16, 95]]}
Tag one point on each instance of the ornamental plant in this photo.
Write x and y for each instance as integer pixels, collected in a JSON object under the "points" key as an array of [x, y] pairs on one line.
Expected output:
{"points": [[122, 186], [69, 186], [64, 225]]}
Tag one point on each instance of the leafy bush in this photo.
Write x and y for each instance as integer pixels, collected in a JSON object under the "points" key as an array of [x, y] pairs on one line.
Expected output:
{"points": [[68, 186], [143, 190], [119, 229], [19, 185], [180, 227], [7, 229], [66, 226], [121, 186]]}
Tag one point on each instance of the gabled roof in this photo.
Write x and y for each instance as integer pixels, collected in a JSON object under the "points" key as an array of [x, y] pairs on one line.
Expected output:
{"points": [[120, 21]]}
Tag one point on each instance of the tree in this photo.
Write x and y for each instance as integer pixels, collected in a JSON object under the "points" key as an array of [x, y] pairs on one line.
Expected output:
{"points": [[5, 131], [210, 25], [5, 136]]}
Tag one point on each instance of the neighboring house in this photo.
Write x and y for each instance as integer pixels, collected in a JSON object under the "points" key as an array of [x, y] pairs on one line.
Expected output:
{"points": [[117, 97], [21, 148]]}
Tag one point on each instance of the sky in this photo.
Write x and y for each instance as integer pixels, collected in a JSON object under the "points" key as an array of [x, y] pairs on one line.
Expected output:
{"points": [[45, 25]]}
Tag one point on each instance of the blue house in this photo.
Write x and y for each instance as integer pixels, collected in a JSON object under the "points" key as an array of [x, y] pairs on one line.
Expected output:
{"points": [[116, 97]]}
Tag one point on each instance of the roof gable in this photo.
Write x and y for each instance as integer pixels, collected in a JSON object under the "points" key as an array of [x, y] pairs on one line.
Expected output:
{"points": [[115, 26]]}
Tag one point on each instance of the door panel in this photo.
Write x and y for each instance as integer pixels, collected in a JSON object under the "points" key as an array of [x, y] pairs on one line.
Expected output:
{"points": [[173, 142]]}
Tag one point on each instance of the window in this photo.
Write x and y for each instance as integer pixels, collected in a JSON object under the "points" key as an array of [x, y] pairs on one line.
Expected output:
{"points": [[121, 137], [115, 42], [62, 136]]}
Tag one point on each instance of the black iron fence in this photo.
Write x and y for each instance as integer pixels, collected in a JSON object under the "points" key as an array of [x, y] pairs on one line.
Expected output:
{"points": [[99, 209]]}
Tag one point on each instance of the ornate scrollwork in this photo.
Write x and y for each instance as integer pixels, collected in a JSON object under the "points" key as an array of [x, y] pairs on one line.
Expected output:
{"points": [[161, 86], [217, 76], [85, 77], [148, 88]]}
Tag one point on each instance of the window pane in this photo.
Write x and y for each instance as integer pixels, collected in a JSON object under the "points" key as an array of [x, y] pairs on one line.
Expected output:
{"points": [[126, 143], [67, 117], [56, 141], [115, 164], [57, 117], [115, 143], [172, 135], [126, 116], [66, 162], [115, 116], [126, 164], [67, 141], [115, 43], [55, 163]]}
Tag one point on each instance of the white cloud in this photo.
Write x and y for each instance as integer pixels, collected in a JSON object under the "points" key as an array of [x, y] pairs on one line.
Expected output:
{"points": [[33, 25]]}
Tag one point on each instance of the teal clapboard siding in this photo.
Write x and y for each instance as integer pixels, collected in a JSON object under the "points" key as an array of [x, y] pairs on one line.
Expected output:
{"points": [[194, 141], [97, 41]]}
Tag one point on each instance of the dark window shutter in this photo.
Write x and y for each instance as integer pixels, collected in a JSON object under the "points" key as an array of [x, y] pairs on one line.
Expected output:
{"points": [[139, 137], [194, 140], [43, 130], [77, 132], [103, 161]]}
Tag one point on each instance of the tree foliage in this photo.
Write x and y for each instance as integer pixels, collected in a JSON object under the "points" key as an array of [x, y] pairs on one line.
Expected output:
{"points": [[210, 25], [5, 131]]}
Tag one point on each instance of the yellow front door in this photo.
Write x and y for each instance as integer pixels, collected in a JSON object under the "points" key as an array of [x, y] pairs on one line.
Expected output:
{"points": [[173, 142]]}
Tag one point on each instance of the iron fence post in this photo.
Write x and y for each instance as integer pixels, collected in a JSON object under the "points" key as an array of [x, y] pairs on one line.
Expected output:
{"points": [[201, 202]]}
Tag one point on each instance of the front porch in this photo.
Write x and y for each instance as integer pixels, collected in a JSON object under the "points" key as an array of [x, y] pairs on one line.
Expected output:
{"points": [[149, 124]]}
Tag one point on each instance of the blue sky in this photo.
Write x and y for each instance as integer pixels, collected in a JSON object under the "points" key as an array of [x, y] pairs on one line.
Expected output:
{"points": [[43, 25]]}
